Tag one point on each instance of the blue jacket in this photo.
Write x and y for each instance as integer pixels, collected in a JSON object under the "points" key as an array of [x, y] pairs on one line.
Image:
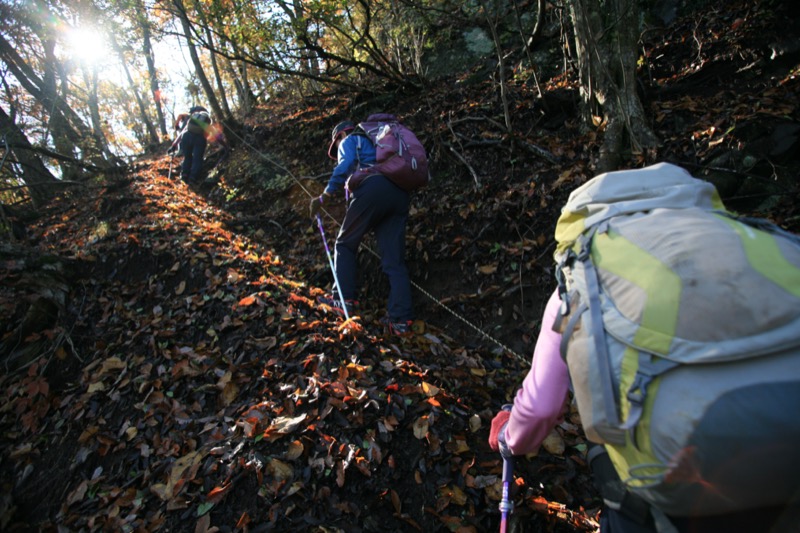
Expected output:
{"points": [[355, 151]]}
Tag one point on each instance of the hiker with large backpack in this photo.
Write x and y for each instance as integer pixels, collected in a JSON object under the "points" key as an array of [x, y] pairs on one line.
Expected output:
{"points": [[193, 142], [379, 163], [677, 326]]}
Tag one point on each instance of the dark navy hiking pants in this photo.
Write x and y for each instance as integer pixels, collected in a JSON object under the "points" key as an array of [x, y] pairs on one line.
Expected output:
{"points": [[379, 205], [193, 146]]}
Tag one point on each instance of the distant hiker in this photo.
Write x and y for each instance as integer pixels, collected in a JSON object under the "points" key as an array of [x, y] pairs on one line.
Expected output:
{"points": [[179, 126], [180, 123], [378, 205], [677, 327], [193, 141]]}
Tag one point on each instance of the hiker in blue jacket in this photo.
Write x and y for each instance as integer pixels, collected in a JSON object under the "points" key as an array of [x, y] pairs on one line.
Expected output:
{"points": [[376, 204]]}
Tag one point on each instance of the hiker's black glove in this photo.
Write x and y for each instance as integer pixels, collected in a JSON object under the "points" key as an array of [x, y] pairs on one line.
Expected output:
{"points": [[316, 205]]}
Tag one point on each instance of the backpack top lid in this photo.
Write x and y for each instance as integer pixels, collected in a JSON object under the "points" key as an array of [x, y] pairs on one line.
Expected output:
{"points": [[382, 117], [611, 194], [195, 109]]}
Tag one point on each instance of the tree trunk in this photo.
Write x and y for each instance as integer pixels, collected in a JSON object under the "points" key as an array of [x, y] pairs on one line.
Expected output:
{"points": [[144, 117], [98, 133], [68, 128], [223, 97], [34, 174], [147, 50], [65, 138], [606, 41], [198, 67], [240, 80], [492, 21]]}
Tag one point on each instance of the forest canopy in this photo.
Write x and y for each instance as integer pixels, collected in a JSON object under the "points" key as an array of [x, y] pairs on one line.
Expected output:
{"points": [[87, 85]]}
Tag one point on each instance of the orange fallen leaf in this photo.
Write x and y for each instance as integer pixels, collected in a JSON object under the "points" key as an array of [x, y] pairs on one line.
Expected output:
{"points": [[247, 301], [244, 520], [216, 494]]}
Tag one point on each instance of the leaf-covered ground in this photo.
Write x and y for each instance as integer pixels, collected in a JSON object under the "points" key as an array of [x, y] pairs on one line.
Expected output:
{"points": [[188, 380]]}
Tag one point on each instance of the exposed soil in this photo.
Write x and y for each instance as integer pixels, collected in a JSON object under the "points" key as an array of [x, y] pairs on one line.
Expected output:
{"points": [[191, 381]]}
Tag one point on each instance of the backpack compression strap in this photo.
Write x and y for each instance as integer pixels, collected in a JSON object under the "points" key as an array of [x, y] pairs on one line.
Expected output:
{"points": [[597, 331]]}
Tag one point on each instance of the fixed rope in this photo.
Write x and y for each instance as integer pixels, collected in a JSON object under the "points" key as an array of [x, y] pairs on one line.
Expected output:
{"points": [[376, 255]]}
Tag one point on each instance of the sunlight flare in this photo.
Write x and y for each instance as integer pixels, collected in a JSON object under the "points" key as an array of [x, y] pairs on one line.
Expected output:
{"points": [[87, 45]]}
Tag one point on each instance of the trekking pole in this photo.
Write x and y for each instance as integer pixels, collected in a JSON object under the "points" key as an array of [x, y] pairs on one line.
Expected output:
{"points": [[506, 505], [171, 159], [333, 269]]}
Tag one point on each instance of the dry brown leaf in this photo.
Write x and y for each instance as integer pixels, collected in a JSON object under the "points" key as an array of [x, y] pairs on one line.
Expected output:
{"points": [[295, 450], [488, 269], [79, 492], [184, 469], [430, 390], [229, 394], [112, 363], [421, 427], [554, 444], [398, 507], [456, 495]]}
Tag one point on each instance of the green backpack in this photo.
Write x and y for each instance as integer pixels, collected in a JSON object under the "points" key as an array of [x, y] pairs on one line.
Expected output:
{"points": [[198, 122], [681, 331]]}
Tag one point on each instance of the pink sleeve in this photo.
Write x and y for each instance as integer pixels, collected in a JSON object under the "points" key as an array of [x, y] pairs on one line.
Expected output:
{"points": [[539, 404]]}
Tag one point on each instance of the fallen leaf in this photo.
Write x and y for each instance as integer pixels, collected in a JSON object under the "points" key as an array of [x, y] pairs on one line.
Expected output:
{"points": [[280, 470], [454, 494], [112, 363], [295, 450], [475, 423], [182, 471], [229, 394], [488, 269], [284, 425], [247, 301], [421, 427], [95, 387], [554, 444], [78, 494], [429, 390], [398, 506], [216, 494]]}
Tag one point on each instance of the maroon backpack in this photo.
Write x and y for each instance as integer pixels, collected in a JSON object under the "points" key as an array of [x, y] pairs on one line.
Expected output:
{"points": [[398, 154]]}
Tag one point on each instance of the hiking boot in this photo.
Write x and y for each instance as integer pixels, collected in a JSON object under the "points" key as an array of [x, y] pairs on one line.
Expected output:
{"points": [[336, 304], [401, 328]]}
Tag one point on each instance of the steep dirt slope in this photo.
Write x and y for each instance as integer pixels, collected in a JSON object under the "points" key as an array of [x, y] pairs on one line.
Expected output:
{"points": [[201, 384]]}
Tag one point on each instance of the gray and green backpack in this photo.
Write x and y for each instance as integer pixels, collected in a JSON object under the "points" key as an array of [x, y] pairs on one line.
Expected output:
{"points": [[199, 121], [681, 331]]}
